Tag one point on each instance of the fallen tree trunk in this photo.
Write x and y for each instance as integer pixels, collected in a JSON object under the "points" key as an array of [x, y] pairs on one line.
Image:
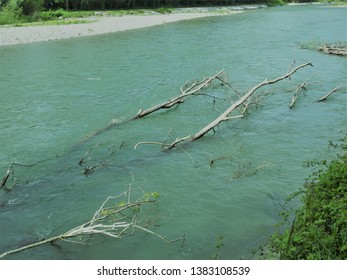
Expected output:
{"points": [[178, 99], [185, 92], [226, 114]]}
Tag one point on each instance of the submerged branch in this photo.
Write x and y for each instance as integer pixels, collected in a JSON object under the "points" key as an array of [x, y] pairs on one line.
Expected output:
{"points": [[6, 176], [301, 88], [187, 90], [226, 113], [333, 50], [10, 170], [325, 97], [241, 105], [111, 221]]}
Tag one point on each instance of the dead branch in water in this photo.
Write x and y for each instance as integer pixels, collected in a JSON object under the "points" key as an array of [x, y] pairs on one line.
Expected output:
{"points": [[163, 145], [220, 158], [226, 115], [87, 170], [245, 170], [83, 159], [186, 90], [300, 89], [10, 170], [6, 176], [333, 50], [114, 218], [325, 97]]}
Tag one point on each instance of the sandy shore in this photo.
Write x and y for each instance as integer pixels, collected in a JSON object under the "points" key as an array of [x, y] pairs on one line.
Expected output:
{"points": [[100, 25]]}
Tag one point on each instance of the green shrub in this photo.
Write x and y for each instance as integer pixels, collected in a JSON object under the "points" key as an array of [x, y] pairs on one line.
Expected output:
{"points": [[11, 13], [51, 15], [273, 3], [17, 11], [319, 229], [163, 10]]}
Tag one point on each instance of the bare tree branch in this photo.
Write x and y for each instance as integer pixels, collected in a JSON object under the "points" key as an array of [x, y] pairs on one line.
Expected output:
{"points": [[301, 88], [113, 221], [325, 97], [225, 115], [187, 90]]}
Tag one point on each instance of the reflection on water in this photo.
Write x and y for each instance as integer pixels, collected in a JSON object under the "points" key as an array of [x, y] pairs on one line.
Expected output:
{"points": [[54, 94]]}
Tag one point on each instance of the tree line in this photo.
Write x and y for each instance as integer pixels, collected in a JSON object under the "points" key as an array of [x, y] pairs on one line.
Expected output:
{"points": [[30, 7], [127, 4]]}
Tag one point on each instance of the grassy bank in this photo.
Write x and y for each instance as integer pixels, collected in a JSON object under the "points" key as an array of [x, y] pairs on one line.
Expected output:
{"points": [[15, 16], [318, 229]]}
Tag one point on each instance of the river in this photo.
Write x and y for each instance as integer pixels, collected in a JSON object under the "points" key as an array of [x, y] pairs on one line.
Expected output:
{"points": [[53, 94]]}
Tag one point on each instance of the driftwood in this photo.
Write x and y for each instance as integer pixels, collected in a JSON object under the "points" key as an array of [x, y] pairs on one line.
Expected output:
{"points": [[186, 90], [115, 221], [249, 170], [226, 115], [325, 97], [190, 90], [333, 50], [6, 176], [301, 88]]}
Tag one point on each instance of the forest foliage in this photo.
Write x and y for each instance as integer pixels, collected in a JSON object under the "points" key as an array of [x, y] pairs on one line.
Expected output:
{"points": [[19, 11]]}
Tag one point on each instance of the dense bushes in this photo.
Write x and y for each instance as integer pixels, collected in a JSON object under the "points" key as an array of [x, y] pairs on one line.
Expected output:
{"points": [[11, 12], [15, 11], [319, 230]]}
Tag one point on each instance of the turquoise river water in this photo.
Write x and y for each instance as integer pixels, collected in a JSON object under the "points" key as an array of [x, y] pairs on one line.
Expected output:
{"points": [[53, 94]]}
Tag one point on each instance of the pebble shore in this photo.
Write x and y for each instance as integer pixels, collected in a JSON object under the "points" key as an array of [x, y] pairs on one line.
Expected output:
{"points": [[10, 35]]}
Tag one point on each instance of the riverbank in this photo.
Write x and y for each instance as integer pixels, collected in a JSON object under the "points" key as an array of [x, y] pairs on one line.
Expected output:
{"points": [[11, 35]]}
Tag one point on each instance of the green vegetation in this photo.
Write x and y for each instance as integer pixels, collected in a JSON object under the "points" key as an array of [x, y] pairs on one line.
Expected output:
{"points": [[25, 11], [334, 2], [219, 246], [17, 11], [319, 229], [163, 10], [272, 3], [11, 12], [46, 11]]}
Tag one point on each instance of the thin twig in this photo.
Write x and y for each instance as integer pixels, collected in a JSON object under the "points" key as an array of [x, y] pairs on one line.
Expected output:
{"points": [[82, 161]]}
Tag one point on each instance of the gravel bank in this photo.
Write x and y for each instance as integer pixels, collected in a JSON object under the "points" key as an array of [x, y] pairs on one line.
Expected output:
{"points": [[100, 25]]}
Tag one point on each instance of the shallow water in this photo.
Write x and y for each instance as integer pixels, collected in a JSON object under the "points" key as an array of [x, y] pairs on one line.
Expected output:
{"points": [[53, 94]]}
